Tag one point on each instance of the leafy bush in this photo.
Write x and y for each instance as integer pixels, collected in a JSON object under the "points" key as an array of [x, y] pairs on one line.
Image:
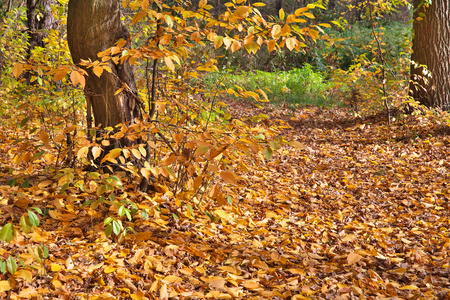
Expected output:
{"points": [[338, 48], [345, 46]]}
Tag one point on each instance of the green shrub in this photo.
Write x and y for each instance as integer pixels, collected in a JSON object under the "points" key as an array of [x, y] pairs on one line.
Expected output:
{"points": [[298, 86]]}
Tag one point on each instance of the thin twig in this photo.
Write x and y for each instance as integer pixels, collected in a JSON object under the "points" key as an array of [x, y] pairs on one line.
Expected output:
{"points": [[383, 62]]}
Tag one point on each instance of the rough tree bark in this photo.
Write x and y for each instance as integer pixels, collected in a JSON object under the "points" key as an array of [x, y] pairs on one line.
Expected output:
{"points": [[94, 26], [431, 47]]}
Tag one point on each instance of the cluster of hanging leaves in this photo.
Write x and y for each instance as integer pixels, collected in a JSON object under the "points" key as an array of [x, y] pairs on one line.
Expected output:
{"points": [[192, 146]]}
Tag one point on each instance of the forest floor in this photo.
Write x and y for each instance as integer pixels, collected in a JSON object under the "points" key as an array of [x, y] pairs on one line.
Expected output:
{"points": [[357, 210]]}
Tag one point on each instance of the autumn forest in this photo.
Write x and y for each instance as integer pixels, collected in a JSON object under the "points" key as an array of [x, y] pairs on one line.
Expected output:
{"points": [[224, 149]]}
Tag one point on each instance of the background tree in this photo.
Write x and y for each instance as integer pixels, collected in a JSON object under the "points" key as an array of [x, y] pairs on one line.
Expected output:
{"points": [[431, 49], [92, 27], [39, 21]]}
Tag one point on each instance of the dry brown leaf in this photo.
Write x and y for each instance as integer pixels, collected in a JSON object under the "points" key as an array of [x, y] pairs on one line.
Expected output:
{"points": [[353, 258]]}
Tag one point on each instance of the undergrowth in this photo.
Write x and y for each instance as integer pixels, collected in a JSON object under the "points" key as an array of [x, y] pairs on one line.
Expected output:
{"points": [[298, 87]]}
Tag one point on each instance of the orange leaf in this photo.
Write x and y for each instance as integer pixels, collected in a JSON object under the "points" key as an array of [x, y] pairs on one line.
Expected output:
{"points": [[353, 258], [45, 138], [17, 70], [77, 78], [242, 11], [271, 45], [251, 285], [299, 11], [60, 75], [228, 177], [235, 46], [98, 71]]}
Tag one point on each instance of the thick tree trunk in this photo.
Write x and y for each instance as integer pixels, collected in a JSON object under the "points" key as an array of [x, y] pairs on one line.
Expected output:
{"points": [[94, 26], [431, 47]]}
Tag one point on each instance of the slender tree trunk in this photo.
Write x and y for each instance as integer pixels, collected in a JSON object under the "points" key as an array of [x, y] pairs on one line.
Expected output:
{"points": [[217, 9], [39, 21], [431, 47], [278, 6], [94, 26]]}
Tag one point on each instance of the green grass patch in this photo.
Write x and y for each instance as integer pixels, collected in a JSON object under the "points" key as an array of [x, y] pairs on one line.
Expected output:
{"points": [[297, 87]]}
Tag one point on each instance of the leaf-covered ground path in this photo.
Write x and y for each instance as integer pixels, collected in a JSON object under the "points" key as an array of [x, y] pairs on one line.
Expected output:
{"points": [[354, 211]]}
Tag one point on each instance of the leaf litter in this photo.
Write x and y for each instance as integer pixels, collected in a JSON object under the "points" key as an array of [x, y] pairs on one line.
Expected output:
{"points": [[351, 209]]}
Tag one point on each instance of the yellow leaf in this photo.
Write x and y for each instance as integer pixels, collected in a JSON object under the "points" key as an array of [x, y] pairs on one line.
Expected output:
{"points": [[218, 41], [291, 43], [309, 15], [145, 173], [137, 296], [4, 286], [96, 151], [107, 68], [169, 63], [217, 284], [409, 287], [353, 258], [55, 267], [281, 14], [202, 3], [17, 70], [286, 30], [163, 295], [228, 177], [109, 269], [28, 293], [119, 91], [136, 153], [25, 275], [324, 25], [112, 154], [222, 214], [300, 297], [172, 278], [82, 153], [276, 31]]}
